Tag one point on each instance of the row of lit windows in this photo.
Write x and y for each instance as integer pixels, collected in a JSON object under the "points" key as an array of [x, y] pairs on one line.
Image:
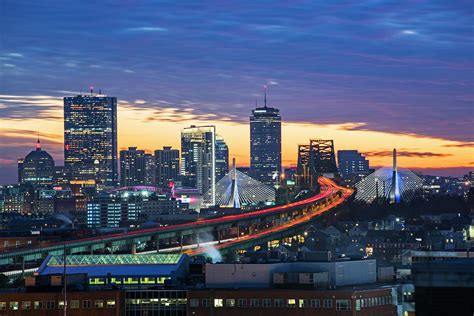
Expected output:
{"points": [[72, 304], [153, 301], [341, 304], [266, 302], [144, 280]]}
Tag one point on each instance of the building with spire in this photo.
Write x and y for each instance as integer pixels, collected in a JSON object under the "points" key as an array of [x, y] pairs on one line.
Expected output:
{"points": [[37, 168], [265, 144]]}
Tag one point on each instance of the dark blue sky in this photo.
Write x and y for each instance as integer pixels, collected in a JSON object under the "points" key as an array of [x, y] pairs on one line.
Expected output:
{"points": [[396, 66]]}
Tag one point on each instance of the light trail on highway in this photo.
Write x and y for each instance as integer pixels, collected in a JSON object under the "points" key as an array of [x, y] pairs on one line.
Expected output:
{"points": [[346, 194]]}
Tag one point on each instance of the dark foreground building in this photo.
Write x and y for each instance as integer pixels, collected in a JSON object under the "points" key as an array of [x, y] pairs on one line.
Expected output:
{"points": [[444, 287]]}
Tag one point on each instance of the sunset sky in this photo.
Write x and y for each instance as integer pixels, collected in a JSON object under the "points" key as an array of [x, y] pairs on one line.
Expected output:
{"points": [[372, 75]]}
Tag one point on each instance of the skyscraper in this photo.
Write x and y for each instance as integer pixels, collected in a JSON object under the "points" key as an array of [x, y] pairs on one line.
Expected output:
{"points": [[352, 163], [265, 144], [90, 138], [167, 165], [37, 168], [198, 160], [222, 158], [132, 167]]}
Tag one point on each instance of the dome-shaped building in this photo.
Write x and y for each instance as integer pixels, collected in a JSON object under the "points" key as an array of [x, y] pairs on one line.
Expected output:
{"points": [[37, 168]]}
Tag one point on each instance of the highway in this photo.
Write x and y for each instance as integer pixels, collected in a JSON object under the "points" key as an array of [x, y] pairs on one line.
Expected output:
{"points": [[346, 193]]}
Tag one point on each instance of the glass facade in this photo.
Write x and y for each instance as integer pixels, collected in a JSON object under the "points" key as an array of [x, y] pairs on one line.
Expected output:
{"points": [[90, 138], [155, 302], [222, 158], [198, 159], [265, 145]]}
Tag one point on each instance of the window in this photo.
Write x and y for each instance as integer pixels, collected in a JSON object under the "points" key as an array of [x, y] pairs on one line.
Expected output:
{"points": [[194, 302], [26, 305], [230, 302], [60, 304], [327, 303], [110, 303], [278, 302], [86, 304], [3, 306], [254, 302], [303, 303], [358, 304], [343, 305], [206, 302], [37, 305], [98, 303], [50, 304], [74, 304], [266, 302], [218, 302], [242, 302], [291, 302], [14, 306], [315, 303]]}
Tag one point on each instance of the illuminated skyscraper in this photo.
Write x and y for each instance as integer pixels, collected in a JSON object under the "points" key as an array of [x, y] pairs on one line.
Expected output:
{"points": [[198, 160], [167, 165], [222, 158], [90, 138], [37, 168], [265, 144], [132, 167]]}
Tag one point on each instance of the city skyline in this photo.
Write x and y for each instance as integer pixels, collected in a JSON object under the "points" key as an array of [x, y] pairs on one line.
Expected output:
{"points": [[371, 77]]}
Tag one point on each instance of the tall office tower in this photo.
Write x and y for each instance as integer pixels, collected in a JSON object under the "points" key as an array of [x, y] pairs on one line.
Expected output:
{"points": [[37, 168], [132, 167], [90, 138], [265, 144], [198, 160], [351, 163], [167, 166], [222, 158], [150, 170]]}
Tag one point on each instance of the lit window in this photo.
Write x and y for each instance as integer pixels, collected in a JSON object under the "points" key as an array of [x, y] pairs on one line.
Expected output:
{"points": [[230, 302], [302, 303], [99, 303], [14, 306], [291, 302], [218, 302], [3, 306], [111, 303], [358, 304], [26, 305], [60, 304]]}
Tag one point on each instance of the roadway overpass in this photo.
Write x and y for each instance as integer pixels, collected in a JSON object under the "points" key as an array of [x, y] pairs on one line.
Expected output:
{"points": [[243, 229]]}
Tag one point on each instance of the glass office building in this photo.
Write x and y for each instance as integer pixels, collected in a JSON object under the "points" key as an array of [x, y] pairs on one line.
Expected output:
{"points": [[265, 145], [167, 166], [222, 158], [198, 160], [90, 138]]}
